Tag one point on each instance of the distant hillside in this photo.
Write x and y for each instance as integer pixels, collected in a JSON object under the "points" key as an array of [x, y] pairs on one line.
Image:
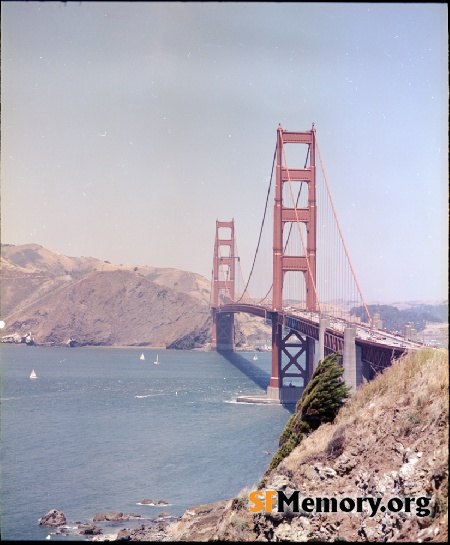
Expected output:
{"points": [[54, 299], [59, 299], [394, 319]]}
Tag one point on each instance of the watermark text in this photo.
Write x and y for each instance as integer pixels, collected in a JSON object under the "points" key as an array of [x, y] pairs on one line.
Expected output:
{"points": [[268, 500]]}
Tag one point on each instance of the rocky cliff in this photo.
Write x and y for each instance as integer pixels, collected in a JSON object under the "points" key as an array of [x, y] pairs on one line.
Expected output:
{"points": [[389, 441]]}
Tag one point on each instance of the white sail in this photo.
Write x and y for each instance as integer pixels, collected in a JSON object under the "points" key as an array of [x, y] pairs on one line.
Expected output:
{"points": [[142, 356], [33, 374], [157, 360]]}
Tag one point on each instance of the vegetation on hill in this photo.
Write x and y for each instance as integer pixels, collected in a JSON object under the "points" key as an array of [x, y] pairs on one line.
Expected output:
{"points": [[395, 319], [320, 403]]}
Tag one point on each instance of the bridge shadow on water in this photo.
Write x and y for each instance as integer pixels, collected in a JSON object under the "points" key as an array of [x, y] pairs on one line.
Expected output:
{"points": [[253, 372]]}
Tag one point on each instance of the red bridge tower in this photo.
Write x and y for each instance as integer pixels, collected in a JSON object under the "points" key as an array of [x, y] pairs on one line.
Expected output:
{"points": [[223, 287], [282, 263]]}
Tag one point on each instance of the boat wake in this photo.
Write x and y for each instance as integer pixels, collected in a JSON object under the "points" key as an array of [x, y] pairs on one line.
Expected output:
{"points": [[148, 395]]}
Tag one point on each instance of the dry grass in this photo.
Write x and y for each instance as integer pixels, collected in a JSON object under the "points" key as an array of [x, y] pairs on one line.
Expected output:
{"points": [[311, 446], [415, 387], [422, 375]]}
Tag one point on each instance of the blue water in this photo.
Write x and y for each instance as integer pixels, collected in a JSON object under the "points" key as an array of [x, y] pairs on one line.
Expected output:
{"points": [[100, 430]]}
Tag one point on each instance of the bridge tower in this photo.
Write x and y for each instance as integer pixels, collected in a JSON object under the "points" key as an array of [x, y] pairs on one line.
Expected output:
{"points": [[292, 341], [223, 286]]}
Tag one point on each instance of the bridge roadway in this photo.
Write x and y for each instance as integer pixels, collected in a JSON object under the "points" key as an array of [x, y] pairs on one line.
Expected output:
{"points": [[378, 347]]}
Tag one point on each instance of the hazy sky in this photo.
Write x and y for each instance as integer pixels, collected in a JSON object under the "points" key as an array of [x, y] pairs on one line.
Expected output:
{"points": [[129, 128]]}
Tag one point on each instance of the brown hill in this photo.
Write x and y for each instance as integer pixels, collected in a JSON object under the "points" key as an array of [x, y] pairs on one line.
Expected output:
{"points": [[58, 298], [54, 299]]}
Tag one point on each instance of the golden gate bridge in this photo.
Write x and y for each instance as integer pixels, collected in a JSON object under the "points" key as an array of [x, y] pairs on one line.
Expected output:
{"points": [[301, 281]]}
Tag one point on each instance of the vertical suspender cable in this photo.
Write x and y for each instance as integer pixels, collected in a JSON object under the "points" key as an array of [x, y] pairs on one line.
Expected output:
{"points": [[339, 229]]}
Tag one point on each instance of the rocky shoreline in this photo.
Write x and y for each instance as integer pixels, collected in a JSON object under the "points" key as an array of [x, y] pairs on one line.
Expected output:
{"points": [[108, 526]]}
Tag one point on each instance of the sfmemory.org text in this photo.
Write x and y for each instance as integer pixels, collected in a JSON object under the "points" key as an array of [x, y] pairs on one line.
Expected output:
{"points": [[268, 499]]}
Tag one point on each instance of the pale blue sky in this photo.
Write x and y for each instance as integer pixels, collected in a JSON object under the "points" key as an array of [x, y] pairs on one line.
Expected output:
{"points": [[129, 128]]}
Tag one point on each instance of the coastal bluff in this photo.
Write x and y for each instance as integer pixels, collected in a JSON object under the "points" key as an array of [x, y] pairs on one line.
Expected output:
{"points": [[389, 441]]}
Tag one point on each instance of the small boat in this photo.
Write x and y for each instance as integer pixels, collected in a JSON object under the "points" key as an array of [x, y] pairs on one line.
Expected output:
{"points": [[157, 360], [255, 357], [142, 356], [33, 374]]}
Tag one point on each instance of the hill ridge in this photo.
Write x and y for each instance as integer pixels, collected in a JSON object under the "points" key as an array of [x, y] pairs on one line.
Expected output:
{"points": [[47, 294]]}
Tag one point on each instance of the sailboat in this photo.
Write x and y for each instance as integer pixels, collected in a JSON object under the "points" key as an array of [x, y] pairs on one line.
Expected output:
{"points": [[157, 360], [33, 374], [142, 356], [255, 357]]}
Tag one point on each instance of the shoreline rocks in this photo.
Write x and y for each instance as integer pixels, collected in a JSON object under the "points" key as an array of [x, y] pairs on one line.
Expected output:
{"points": [[153, 502], [116, 516], [154, 532], [53, 518], [89, 529]]}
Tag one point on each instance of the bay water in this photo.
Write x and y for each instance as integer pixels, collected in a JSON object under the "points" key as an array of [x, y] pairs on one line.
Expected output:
{"points": [[100, 430]]}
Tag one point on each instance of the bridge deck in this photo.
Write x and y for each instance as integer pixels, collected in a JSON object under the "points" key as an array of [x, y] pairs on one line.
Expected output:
{"points": [[307, 322]]}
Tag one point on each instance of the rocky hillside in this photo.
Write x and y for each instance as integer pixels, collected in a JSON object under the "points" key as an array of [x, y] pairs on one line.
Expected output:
{"points": [[89, 302], [53, 299], [390, 440]]}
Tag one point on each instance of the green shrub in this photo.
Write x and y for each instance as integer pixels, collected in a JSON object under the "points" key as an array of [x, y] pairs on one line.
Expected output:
{"points": [[239, 503], [319, 404]]}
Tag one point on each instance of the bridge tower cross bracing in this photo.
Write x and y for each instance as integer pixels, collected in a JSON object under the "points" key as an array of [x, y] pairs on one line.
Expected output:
{"points": [[283, 263], [224, 267]]}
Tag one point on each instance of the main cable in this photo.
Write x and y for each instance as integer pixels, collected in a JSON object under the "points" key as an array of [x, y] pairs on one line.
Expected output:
{"points": [[339, 229], [262, 226]]}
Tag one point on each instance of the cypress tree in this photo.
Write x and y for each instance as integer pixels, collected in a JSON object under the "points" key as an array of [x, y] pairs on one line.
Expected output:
{"points": [[320, 403]]}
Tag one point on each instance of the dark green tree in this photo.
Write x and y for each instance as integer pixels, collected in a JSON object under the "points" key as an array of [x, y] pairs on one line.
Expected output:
{"points": [[320, 403]]}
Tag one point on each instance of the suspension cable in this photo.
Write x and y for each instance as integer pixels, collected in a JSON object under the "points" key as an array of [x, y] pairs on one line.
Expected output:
{"points": [[339, 229], [299, 229], [241, 276], [262, 225], [290, 228]]}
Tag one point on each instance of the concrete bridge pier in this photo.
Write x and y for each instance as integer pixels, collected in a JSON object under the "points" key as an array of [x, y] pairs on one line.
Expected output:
{"points": [[223, 331], [349, 357], [410, 332], [323, 324], [298, 352]]}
